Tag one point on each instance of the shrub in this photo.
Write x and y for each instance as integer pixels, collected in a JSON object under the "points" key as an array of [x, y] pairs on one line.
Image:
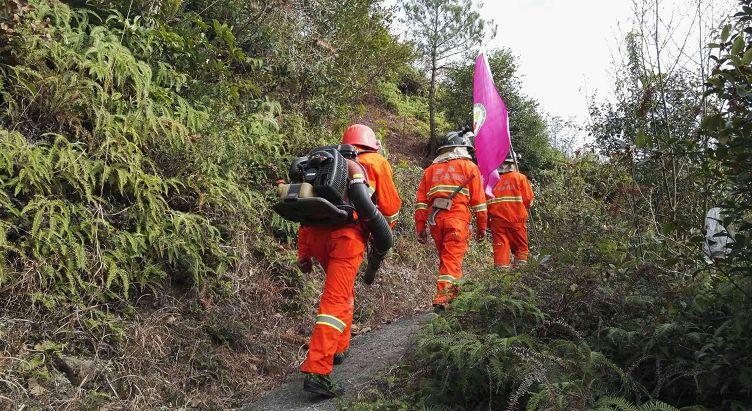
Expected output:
{"points": [[109, 177]]}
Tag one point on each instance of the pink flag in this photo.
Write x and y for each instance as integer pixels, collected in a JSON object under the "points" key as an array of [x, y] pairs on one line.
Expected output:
{"points": [[490, 124]]}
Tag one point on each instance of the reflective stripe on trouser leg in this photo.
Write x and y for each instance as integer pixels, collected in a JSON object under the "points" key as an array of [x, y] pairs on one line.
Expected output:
{"points": [[447, 288], [331, 321], [446, 279], [450, 236], [345, 253]]}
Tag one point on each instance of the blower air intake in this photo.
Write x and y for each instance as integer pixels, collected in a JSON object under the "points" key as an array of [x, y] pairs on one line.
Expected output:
{"points": [[317, 195]]}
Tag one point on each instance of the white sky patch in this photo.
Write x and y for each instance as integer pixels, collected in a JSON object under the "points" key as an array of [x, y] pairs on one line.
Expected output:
{"points": [[565, 48]]}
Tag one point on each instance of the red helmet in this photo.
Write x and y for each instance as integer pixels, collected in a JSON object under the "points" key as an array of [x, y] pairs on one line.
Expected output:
{"points": [[360, 135]]}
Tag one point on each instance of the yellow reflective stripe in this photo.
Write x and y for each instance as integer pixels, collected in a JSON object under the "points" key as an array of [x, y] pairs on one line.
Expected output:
{"points": [[392, 218], [331, 321], [421, 206], [357, 175], [479, 207], [447, 189], [505, 199], [447, 279]]}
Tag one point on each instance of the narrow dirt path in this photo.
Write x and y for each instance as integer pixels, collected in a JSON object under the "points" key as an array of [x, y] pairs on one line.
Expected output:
{"points": [[369, 353]]}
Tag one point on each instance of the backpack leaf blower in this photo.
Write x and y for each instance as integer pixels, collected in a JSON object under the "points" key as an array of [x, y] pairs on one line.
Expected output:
{"points": [[329, 188]]}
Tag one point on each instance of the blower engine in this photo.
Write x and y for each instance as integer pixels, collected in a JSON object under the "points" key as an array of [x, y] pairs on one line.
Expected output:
{"points": [[329, 188]]}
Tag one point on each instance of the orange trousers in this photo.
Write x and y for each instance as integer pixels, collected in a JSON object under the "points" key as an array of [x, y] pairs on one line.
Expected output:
{"points": [[450, 236], [340, 253], [509, 239]]}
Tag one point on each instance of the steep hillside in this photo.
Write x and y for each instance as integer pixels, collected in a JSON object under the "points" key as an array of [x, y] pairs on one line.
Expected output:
{"points": [[142, 265]]}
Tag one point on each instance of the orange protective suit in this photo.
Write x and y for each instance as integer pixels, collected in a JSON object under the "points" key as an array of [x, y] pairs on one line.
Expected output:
{"points": [[380, 179], [507, 214], [451, 232], [340, 250]]}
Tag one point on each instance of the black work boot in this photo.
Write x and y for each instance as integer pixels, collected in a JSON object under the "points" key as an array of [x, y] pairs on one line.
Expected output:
{"points": [[322, 385], [339, 358]]}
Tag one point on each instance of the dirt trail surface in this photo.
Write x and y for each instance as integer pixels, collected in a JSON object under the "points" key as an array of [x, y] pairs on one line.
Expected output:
{"points": [[369, 353]]}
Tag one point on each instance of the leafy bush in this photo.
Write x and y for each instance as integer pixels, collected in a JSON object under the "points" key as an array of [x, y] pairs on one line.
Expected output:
{"points": [[496, 349], [110, 177], [731, 129], [598, 320]]}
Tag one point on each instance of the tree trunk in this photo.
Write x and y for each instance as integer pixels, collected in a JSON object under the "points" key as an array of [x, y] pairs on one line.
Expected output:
{"points": [[432, 108]]}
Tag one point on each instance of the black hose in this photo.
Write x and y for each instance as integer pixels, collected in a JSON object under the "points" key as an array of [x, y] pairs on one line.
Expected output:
{"points": [[381, 233]]}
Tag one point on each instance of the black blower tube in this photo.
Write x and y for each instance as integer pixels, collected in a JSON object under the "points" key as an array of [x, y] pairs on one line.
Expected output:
{"points": [[376, 223]]}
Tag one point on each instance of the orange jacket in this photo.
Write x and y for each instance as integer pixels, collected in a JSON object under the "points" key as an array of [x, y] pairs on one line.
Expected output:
{"points": [[439, 180], [513, 196], [380, 179]]}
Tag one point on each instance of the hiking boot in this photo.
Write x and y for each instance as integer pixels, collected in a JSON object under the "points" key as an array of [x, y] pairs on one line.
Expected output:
{"points": [[322, 385], [439, 308], [339, 358]]}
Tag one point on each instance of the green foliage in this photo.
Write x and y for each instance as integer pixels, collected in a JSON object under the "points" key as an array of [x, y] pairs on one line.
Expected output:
{"points": [[495, 348], [319, 58], [136, 147], [594, 322], [587, 195], [651, 129], [443, 30], [111, 177], [730, 126], [412, 106], [620, 404]]}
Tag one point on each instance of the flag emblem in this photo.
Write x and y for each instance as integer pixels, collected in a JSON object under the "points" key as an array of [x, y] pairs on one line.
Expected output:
{"points": [[479, 116]]}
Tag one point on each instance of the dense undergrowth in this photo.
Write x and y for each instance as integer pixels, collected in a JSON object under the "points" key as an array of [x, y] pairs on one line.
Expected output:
{"points": [[585, 326], [141, 265], [620, 309]]}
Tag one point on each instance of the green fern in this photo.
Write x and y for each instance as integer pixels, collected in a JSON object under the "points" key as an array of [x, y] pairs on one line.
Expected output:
{"points": [[621, 404], [98, 144]]}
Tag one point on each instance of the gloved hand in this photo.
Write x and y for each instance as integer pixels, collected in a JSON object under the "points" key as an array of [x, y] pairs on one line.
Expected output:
{"points": [[480, 235], [305, 264], [423, 237]]}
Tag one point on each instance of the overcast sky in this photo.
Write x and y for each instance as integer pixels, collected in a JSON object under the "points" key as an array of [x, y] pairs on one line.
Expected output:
{"points": [[565, 48]]}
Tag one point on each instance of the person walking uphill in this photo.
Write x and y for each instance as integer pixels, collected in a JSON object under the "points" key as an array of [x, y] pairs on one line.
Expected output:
{"points": [[450, 191], [380, 176], [339, 250], [507, 214]]}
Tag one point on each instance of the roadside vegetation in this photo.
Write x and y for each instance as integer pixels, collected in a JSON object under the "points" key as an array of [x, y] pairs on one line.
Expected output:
{"points": [[142, 266]]}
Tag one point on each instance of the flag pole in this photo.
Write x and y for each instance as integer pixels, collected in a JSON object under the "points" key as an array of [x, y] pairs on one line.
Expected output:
{"points": [[511, 148]]}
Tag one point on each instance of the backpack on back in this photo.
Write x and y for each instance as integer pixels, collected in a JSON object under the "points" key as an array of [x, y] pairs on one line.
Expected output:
{"points": [[317, 194], [328, 188]]}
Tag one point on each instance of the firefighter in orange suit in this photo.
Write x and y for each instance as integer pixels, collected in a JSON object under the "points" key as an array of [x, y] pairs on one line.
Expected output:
{"points": [[507, 215], [452, 169], [340, 250], [378, 169]]}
